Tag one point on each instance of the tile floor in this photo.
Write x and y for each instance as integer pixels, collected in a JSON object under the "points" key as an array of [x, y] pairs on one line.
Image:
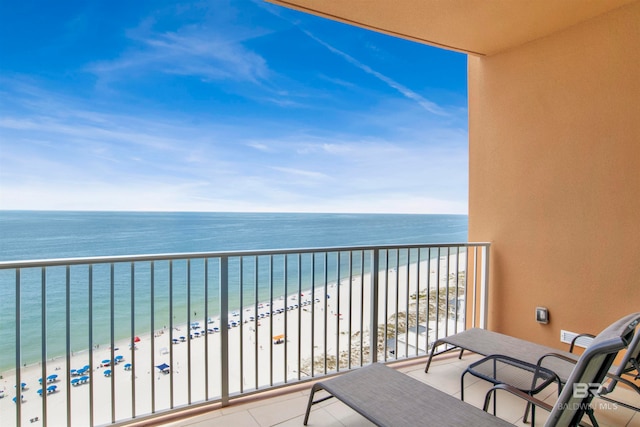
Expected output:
{"points": [[286, 407]]}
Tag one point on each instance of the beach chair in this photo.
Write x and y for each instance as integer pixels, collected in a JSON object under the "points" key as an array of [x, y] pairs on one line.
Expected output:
{"points": [[387, 397]]}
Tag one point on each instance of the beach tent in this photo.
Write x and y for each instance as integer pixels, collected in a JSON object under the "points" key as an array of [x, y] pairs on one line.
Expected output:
{"points": [[278, 339]]}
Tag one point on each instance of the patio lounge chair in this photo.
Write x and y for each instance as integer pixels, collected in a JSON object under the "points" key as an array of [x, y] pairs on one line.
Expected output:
{"points": [[629, 367], [389, 398], [483, 342]]}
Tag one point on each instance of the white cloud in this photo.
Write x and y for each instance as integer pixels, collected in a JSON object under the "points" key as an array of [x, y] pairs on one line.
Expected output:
{"points": [[301, 172], [207, 51]]}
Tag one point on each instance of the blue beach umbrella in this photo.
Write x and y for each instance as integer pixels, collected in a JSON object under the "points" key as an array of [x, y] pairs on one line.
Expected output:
{"points": [[52, 388], [52, 378], [127, 367], [163, 367], [75, 381], [107, 372], [84, 378]]}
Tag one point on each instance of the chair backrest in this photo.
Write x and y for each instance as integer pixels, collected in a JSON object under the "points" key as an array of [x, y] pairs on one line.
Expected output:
{"points": [[630, 362], [591, 368]]}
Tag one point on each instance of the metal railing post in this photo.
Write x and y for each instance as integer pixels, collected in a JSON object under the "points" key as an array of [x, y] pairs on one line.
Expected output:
{"points": [[18, 384], [224, 331], [373, 325], [484, 289]]}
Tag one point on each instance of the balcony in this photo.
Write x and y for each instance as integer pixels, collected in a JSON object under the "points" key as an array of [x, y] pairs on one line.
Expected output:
{"points": [[115, 340], [287, 409]]}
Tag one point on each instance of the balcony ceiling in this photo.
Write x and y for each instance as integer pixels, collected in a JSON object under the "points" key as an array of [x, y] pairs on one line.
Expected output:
{"points": [[478, 27]]}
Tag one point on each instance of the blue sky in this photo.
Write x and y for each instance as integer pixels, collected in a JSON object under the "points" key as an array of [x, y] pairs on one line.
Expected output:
{"points": [[224, 106]]}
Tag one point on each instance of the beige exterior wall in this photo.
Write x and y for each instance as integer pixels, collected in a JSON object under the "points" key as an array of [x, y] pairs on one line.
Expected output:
{"points": [[554, 179]]}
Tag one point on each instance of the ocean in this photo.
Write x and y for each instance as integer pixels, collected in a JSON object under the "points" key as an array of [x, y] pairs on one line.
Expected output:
{"points": [[32, 235]]}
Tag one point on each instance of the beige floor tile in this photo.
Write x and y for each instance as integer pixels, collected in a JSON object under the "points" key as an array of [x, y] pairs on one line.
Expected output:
{"points": [[279, 411], [635, 420], [319, 417], [238, 419]]}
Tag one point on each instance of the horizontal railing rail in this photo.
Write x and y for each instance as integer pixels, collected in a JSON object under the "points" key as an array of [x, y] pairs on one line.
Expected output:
{"points": [[104, 340]]}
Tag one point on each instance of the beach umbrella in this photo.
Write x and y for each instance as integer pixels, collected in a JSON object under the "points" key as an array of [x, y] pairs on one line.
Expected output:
{"points": [[119, 358], [52, 377], [39, 392], [163, 367], [107, 372], [75, 381], [52, 388], [136, 339], [106, 362], [127, 366]]}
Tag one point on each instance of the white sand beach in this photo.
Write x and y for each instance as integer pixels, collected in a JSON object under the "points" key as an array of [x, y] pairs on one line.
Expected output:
{"points": [[329, 318]]}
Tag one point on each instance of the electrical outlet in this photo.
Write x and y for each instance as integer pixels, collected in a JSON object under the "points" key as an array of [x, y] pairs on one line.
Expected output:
{"points": [[542, 315]]}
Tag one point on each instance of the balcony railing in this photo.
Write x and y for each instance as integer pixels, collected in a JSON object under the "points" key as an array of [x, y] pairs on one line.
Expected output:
{"points": [[99, 341]]}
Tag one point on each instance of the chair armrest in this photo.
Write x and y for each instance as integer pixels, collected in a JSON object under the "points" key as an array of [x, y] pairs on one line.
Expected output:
{"points": [[618, 379], [558, 356], [515, 392], [575, 339]]}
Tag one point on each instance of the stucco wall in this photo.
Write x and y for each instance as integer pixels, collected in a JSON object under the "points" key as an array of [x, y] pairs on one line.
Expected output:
{"points": [[554, 179]]}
